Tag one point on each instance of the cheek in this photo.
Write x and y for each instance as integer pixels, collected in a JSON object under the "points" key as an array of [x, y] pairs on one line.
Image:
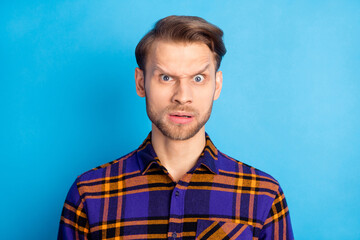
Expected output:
{"points": [[158, 99], [206, 94], [204, 101]]}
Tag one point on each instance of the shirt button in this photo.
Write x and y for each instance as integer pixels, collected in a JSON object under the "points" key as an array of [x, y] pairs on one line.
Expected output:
{"points": [[177, 194], [174, 235]]}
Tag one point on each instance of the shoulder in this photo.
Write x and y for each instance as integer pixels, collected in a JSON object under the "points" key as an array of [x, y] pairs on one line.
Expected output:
{"points": [[110, 169], [247, 174]]}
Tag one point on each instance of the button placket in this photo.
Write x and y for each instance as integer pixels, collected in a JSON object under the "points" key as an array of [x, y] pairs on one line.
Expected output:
{"points": [[176, 210]]}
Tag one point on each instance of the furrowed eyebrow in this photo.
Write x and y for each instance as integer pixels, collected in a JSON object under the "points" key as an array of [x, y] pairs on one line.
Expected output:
{"points": [[158, 68], [203, 69]]}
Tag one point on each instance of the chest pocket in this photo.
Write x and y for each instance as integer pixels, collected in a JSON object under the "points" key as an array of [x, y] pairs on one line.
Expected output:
{"points": [[207, 229]]}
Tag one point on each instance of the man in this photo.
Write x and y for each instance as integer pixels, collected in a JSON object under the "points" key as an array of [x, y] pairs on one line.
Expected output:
{"points": [[177, 185]]}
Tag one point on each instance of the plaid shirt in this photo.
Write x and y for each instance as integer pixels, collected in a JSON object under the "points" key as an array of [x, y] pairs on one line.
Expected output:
{"points": [[134, 197]]}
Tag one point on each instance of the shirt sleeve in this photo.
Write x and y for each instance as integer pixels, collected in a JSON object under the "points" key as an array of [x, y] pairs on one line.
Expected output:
{"points": [[277, 225], [74, 222]]}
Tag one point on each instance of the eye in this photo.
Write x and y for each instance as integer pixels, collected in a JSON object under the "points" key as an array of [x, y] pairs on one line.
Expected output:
{"points": [[165, 78], [199, 78]]}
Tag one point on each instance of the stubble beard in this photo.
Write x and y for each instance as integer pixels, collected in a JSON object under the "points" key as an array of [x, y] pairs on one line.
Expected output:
{"points": [[175, 131]]}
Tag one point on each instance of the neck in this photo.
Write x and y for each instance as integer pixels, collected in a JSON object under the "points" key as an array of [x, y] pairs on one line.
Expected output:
{"points": [[178, 157]]}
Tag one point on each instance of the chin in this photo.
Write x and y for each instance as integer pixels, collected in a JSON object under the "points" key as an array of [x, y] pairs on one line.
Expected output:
{"points": [[179, 133]]}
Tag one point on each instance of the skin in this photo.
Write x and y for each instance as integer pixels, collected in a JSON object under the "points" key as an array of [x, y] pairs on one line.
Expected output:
{"points": [[181, 80]]}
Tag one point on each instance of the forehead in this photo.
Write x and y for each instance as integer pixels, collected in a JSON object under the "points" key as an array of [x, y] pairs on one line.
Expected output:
{"points": [[179, 57]]}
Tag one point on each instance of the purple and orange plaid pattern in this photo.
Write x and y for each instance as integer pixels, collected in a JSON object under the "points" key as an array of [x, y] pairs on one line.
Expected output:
{"points": [[134, 197]]}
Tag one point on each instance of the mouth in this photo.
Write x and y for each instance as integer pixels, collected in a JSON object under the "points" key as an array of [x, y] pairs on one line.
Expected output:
{"points": [[181, 118], [185, 116], [179, 114]]}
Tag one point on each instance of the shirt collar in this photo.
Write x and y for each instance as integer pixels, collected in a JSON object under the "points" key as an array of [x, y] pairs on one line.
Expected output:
{"points": [[147, 157]]}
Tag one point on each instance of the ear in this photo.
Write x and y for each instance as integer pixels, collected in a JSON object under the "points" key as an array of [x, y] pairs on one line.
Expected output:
{"points": [[140, 82], [218, 84]]}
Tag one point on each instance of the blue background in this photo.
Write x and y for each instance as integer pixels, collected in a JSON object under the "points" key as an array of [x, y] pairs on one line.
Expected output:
{"points": [[290, 103]]}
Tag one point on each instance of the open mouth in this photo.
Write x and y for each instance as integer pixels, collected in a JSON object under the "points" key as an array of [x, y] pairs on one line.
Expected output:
{"points": [[181, 118], [185, 116]]}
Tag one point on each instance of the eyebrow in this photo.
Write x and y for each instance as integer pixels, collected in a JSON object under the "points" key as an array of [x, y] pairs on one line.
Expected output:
{"points": [[157, 67]]}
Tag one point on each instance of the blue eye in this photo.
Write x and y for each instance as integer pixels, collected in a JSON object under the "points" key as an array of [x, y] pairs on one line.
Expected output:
{"points": [[165, 77], [199, 78]]}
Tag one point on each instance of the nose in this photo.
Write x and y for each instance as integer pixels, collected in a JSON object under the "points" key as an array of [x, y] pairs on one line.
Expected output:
{"points": [[182, 93]]}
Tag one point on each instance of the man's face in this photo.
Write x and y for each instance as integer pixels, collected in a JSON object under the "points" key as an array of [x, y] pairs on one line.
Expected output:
{"points": [[180, 86]]}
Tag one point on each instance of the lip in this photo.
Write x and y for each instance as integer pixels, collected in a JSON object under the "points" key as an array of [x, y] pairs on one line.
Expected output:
{"points": [[181, 114], [181, 117]]}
